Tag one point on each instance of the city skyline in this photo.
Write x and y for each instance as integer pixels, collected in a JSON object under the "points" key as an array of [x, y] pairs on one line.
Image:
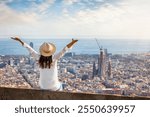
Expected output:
{"points": [[127, 19], [76, 72]]}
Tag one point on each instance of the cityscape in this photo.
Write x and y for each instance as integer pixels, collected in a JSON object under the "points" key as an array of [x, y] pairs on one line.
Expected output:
{"points": [[102, 73]]}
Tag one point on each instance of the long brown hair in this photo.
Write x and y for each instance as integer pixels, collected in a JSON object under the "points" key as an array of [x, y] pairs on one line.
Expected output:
{"points": [[45, 62]]}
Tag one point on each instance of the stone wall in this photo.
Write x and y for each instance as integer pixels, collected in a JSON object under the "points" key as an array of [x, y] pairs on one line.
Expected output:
{"points": [[32, 94]]}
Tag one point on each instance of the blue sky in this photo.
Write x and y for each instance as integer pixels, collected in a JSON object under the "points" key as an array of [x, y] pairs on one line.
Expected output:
{"points": [[75, 18]]}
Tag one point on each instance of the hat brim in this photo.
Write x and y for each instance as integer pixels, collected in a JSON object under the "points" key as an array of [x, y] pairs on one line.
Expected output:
{"points": [[48, 53]]}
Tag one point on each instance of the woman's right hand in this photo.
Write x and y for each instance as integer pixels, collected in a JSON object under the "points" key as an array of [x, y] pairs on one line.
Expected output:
{"points": [[18, 39]]}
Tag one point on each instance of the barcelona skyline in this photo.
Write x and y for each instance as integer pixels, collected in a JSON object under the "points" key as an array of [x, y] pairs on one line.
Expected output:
{"points": [[122, 19]]}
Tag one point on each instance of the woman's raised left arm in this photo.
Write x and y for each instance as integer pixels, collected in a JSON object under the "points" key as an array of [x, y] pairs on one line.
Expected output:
{"points": [[33, 53], [65, 49]]}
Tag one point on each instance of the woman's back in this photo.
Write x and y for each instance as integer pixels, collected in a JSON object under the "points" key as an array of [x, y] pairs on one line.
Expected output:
{"points": [[49, 78]]}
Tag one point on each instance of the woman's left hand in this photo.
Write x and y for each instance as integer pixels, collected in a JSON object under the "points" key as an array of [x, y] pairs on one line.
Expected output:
{"points": [[72, 43]]}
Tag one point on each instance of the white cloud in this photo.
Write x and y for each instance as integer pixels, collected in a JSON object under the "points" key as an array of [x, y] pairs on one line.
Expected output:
{"points": [[10, 17], [70, 2], [128, 19], [41, 8], [16, 23]]}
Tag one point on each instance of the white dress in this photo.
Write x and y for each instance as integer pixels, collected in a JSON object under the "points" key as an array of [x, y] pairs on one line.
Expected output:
{"points": [[48, 77]]}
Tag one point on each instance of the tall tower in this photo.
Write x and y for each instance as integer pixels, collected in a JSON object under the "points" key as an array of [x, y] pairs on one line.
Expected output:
{"points": [[106, 53], [101, 65], [94, 69], [31, 44], [109, 69]]}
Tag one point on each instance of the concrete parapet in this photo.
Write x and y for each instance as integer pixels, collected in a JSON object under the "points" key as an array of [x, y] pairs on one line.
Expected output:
{"points": [[36, 94]]}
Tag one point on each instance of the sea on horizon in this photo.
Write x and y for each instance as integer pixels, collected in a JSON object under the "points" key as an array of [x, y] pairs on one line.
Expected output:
{"points": [[83, 46]]}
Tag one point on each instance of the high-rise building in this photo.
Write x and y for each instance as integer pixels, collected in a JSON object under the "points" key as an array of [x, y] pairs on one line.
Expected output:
{"points": [[106, 53], [31, 44], [94, 70], [101, 71], [109, 69], [101, 65]]}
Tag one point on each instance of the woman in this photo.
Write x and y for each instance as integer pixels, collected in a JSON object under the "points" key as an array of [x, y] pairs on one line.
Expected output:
{"points": [[47, 63]]}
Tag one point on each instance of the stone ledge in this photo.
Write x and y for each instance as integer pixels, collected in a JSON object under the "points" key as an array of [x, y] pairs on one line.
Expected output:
{"points": [[34, 94]]}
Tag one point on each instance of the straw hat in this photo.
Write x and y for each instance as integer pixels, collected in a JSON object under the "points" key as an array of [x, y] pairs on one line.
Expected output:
{"points": [[47, 49]]}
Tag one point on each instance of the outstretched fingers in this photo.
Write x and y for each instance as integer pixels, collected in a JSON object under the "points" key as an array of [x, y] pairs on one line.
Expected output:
{"points": [[74, 40]]}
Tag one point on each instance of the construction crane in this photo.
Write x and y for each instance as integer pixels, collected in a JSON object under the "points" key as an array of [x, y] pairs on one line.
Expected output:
{"points": [[98, 44]]}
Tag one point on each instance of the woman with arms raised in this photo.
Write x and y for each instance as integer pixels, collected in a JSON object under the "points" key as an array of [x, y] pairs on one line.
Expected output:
{"points": [[47, 63]]}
